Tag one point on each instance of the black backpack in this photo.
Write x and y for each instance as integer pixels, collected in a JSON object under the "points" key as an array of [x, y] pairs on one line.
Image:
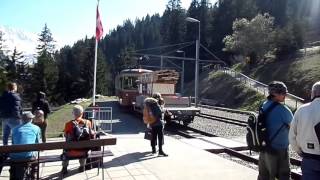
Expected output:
{"points": [[257, 135], [81, 132]]}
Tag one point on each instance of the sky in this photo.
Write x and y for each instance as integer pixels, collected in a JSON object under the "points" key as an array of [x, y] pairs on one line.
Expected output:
{"points": [[71, 20]]}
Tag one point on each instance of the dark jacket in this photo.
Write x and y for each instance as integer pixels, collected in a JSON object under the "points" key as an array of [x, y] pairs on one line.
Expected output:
{"points": [[41, 104], [10, 105]]}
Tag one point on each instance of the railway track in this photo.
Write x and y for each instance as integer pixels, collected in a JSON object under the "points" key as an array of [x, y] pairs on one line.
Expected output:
{"points": [[240, 152], [223, 119]]}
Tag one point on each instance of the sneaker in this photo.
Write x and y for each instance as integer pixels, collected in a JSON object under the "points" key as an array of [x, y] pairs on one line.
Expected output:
{"points": [[64, 171], [153, 150], [81, 168], [161, 153]]}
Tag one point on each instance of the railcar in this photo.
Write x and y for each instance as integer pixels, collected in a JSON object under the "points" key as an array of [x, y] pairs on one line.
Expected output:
{"points": [[134, 85], [126, 86]]}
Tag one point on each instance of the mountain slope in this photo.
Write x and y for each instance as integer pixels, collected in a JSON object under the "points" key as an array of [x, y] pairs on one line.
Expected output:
{"points": [[25, 42]]}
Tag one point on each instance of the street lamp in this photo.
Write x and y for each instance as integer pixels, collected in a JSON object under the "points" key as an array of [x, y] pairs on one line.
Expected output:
{"points": [[197, 60], [182, 73]]}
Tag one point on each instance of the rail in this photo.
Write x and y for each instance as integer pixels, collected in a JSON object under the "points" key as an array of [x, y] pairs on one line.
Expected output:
{"points": [[292, 100], [234, 151]]}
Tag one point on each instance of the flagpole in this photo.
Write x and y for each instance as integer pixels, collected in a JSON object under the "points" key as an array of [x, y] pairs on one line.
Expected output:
{"points": [[95, 74], [95, 67]]}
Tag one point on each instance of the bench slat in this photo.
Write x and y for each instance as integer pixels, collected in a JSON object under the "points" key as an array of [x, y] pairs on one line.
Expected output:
{"points": [[58, 145], [55, 158]]}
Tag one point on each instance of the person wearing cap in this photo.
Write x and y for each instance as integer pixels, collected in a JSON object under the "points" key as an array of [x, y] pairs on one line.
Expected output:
{"points": [[274, 162], [26, 133], [11, 109], [304, 135], [157, 127]]}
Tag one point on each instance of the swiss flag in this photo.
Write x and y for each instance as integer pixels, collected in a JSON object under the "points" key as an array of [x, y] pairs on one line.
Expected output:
{"points": [[99, 28]]}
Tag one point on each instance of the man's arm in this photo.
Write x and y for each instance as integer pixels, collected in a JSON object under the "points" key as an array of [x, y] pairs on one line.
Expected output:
{"points": [[293, 133], [47, 106]]}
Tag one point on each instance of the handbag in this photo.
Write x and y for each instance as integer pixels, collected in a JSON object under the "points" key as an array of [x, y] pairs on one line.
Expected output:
{"points": [[147, 135]]}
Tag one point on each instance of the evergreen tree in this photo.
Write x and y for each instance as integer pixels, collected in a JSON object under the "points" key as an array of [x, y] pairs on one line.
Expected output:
{"points": [[12, 65], [173, 23], [3, 60], [45, 71]]}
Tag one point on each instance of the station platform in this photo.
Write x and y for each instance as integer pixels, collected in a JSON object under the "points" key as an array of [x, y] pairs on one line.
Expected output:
{"points": [[133, 160]]}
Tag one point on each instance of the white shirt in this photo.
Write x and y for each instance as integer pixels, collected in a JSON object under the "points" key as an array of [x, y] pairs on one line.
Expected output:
{"points": [[302, 135]]}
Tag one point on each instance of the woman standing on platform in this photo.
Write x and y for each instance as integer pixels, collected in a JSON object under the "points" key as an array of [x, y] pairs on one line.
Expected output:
{"points": [[153, 110]]}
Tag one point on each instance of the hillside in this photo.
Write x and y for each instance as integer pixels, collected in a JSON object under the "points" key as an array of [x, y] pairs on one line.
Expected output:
{"points": [[299, 73], [226, 91]]}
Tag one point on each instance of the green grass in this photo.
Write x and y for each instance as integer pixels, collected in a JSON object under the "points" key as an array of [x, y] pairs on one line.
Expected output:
{"points": [[57, 119]]}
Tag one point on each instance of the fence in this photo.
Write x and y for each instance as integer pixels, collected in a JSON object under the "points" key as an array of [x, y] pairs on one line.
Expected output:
{"points": [[291, 100], [101, 116]]}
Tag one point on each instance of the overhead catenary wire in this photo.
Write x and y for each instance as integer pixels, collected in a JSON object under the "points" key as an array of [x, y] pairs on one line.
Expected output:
{"points": [[161, 47]]}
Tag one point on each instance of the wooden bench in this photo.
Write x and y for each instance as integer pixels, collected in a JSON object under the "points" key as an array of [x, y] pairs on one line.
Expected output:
{"points": [[94, 143]]}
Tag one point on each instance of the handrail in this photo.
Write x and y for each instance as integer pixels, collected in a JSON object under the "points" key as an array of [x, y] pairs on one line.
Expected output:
{"points": [[233, 73]]}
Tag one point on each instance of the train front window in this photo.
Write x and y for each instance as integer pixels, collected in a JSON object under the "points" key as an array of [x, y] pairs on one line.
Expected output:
{"points": [[130, 83]]}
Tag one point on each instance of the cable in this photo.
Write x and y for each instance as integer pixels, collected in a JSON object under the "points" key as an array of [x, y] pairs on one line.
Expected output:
{"points": [[212, 54], [159, 47]]}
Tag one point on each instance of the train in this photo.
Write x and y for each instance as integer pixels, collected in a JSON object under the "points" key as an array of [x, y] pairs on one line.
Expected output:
{"points": [[134, 85], [126, 86]]}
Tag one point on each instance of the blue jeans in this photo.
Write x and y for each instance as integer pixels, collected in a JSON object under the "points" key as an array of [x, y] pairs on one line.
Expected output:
{"points": [[310, 169], [7, 125]]}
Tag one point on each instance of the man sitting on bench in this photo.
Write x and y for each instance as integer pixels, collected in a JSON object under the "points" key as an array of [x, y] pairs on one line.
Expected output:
{"points": [[76, 130], [26, 133]]}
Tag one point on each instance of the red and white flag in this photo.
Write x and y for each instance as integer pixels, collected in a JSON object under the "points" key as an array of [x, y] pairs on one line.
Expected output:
{"points": [[99, 28]]}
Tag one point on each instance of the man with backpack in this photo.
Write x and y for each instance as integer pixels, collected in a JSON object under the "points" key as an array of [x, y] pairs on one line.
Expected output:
{"points": [[274, 158], [78, 129]]}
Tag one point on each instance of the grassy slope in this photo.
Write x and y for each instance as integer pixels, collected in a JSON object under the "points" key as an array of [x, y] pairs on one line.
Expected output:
{"points": [[57, 119], [226, 90], [298, 74]]}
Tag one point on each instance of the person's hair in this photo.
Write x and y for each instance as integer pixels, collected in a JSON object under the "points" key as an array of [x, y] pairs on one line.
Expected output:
{"points": [[41, 95], [315, 91], [156, 95], [77, 110], [277, 87], [11, 86]]}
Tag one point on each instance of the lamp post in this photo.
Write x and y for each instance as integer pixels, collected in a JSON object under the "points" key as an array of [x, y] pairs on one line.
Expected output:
{"points": [[182, 73], [189, 19]]}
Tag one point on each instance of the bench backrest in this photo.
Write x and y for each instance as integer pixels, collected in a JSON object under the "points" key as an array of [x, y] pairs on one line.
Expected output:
{"points": [[58, 145]]}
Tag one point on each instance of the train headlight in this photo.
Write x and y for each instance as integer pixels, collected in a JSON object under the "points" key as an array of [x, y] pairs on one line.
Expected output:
{"points": [[120, 100]]}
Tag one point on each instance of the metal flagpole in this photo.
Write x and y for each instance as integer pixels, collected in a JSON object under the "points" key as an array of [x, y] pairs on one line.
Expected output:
{"points": [[95, 74], [95, 64]]}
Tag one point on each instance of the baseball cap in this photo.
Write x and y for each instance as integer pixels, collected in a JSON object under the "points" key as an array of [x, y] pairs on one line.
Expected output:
{"points": [[277, 87]]}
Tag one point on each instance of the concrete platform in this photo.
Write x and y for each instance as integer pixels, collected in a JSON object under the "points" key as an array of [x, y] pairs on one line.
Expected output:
{"points": [[132, 160]]}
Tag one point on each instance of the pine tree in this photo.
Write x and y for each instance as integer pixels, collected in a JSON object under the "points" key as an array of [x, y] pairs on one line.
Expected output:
{"points": [[45, 71], [12, 65], [3, 59], [173, 23]]}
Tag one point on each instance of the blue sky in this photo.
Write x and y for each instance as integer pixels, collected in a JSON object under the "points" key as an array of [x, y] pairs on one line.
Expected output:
{"points": [[71, 20]]}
